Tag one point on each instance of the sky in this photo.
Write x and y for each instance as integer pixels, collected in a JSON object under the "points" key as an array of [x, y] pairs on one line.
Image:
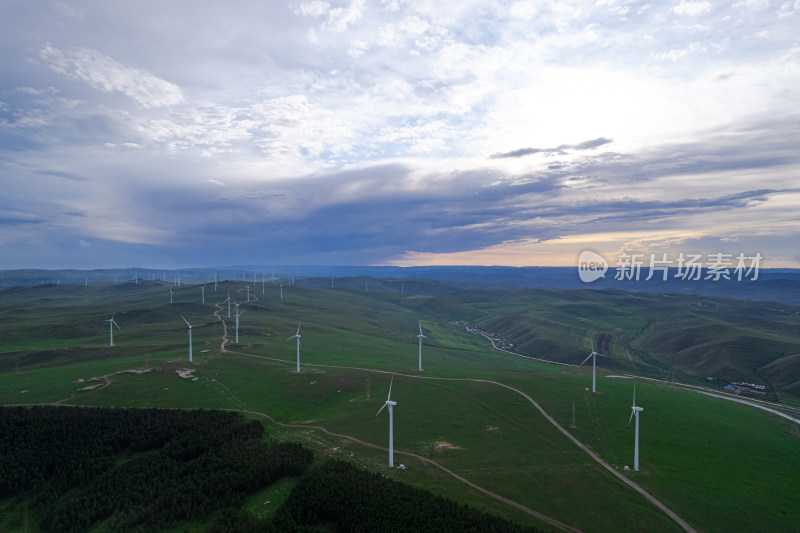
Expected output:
{"points": [[396, 132]]}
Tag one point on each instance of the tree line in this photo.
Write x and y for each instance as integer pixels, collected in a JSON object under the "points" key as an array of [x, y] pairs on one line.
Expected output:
{"points": [[137, 470], [341, 497]]}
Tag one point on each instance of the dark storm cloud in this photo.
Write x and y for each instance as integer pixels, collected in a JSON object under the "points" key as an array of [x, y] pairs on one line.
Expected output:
{"points": [[559, 150]]}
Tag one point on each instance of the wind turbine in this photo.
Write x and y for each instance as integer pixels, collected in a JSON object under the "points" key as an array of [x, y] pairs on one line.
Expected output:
{"points": [[593, 355], [203, 288], [111, 325], [635, 411], [215, 282], [238, 314], [421, 336], [170, 296], [248, 293], [190, 335], [228, 299], [281, 292], [391, 404], [297, 335]]}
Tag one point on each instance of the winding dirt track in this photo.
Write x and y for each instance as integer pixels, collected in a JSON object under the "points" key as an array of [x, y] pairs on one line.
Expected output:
{"points": [[528, 510], [652, 499], [635, 486]]}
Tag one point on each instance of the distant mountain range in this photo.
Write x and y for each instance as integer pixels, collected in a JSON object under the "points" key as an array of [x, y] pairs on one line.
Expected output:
{"points": [[778, 285]]}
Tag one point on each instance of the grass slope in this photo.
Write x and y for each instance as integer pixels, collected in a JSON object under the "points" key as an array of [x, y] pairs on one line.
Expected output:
{"points": [[699, 454], [688, 338]]}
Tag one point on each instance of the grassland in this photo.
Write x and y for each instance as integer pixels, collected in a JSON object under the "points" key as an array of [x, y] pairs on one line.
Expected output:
{"points": [[680, 337], [720, 465]]}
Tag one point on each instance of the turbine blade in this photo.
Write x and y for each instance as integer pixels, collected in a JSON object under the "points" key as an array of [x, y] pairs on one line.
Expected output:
{"points": [[298, 329], [390, 389], [381, 409], [420, 327], [631, 418], [187, 322], [634, 395], [587, 358]]}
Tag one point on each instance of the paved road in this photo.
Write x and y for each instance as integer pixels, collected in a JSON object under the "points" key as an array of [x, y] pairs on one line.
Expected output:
{"points": [[764, 406]]}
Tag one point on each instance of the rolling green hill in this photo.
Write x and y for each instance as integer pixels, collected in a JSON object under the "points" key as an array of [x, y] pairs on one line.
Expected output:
{"points": [[688, 338], [718, 464]]}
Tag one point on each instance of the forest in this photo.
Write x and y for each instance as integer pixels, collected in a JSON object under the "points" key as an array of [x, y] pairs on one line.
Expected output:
{"points": [[136, 470], [375, 503]]}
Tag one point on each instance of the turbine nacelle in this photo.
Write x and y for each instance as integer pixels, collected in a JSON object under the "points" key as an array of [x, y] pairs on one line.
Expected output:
{"points": [[296, 335], [388, 401]]}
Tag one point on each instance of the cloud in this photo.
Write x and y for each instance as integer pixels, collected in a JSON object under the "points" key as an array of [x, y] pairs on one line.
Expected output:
{"points": [[561, 149], [315, 8], [16, 218], [689, 8], [103, 73], [339, 18], [353, 131], [676, 54]]}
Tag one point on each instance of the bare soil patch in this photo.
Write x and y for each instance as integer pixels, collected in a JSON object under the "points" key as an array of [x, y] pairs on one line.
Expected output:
{"points": [[186, 373], [442, 446]]}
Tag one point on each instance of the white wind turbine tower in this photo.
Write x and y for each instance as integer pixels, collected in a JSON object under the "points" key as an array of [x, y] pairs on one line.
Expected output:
{"points": [[635, 411], [421, 336], [391, 404], [297, 336], [238, 314], [170, 296], [593, 355], [281, 292], [215, 282], [111, 325], [203, 288], [228, 299], [248, 293], [190, 335]]}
